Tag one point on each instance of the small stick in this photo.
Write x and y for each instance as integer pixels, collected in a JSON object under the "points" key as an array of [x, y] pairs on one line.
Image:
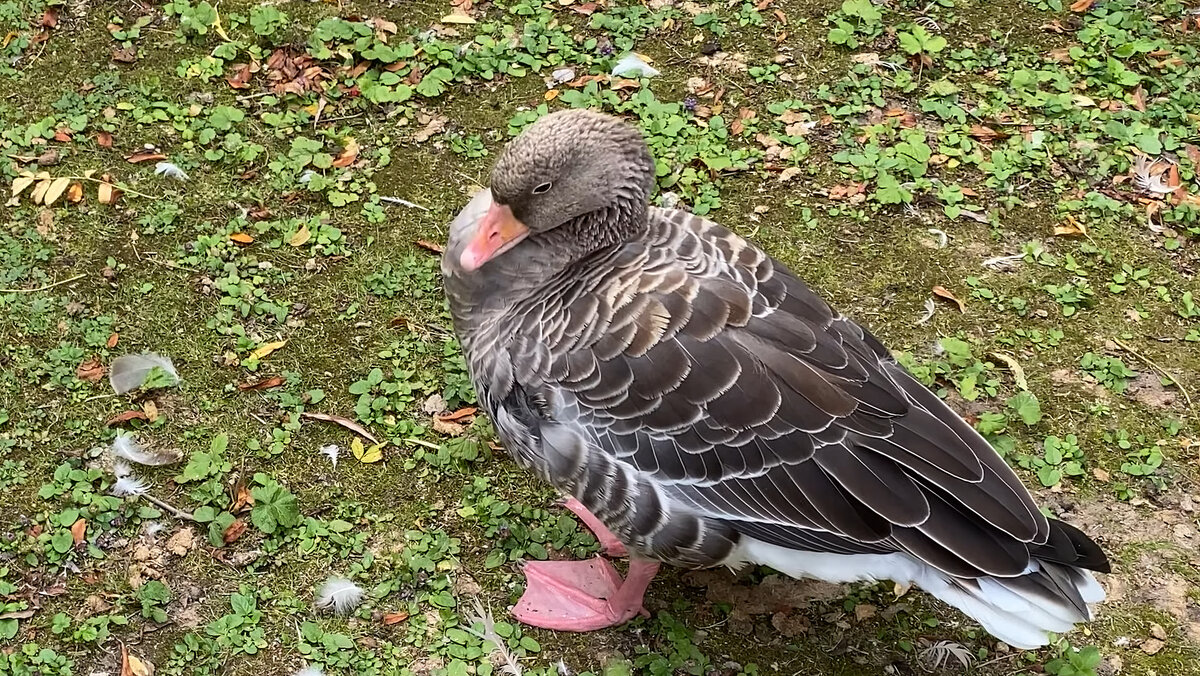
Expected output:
{"points": [[1158, 368], [344, 422], [43, 288], [179, 513]]}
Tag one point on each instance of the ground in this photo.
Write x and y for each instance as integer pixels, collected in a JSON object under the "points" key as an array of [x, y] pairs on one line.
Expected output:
{"points": [[1004, 192]]}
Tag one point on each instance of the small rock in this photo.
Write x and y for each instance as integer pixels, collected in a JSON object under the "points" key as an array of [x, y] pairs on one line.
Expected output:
{"points": [[1152, 646], [709, 48], [1157, 631], [49, 158]]}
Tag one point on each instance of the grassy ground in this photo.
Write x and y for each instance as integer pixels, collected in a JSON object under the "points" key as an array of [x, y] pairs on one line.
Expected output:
{"points": [[1037, 163]]}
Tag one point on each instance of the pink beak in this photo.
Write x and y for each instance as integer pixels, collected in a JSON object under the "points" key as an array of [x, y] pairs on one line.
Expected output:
{"points": [[498, 232]]}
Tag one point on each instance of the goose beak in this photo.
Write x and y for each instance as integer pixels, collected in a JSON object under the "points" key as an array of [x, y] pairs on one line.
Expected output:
{"points": [[498, 232]]}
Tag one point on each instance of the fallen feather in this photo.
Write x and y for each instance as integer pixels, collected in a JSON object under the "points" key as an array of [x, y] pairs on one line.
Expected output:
{"points": [[310, 671], [1148, 175], [632, 65], [930, 308], [128, 372], [121, 469], [126, 448], [307, 176], [170, 170], [403, 203], [484, 617], [340, 594], [331, 451], [129, 485], [1003, 262], [560, 76]]}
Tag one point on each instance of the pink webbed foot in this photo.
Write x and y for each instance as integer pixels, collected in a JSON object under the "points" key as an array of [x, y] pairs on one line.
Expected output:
{"points": [[582, 595], [609, 543]]}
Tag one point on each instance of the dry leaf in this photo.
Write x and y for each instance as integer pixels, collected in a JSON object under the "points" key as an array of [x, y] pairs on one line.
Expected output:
{"points": [[78, 530], [242, 500], [75, 193], [1071, 228], [1015, 368], [241, 238], [39, 190], [107, 193], [91, 370], [349, 154], [104, 139], [122, 418], [457, 18], [145, 156], [1152, 646], [942, 292], [1101, 475], [50, 18], [273, 381], [234, 531], [57, 187], [150, 409], [22, 182], [430, 246], [983, 133], [468, 412], [1139, 99], [182, 542], [1082, 5], [131, 665], [394, 618], [1193, 153], [302, 236], [344, 422], [266, 349], [240, 77], [112, 340], [124, 54]]}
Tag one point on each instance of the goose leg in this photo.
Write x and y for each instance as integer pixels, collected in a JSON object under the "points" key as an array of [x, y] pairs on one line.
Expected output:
{"points": [[608, 542], [582, 595]]}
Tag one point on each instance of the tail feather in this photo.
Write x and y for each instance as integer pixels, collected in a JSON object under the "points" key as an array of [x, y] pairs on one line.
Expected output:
{"points": [[1022, 610]]}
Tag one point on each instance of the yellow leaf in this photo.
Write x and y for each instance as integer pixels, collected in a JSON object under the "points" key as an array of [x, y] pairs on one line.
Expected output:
{"points": [[268, 348], [151, 410], [241, 238], [22, 182], [457, 18], [1070, 228], [56, 189], [39, 190], [366, 455], [301, 237]]}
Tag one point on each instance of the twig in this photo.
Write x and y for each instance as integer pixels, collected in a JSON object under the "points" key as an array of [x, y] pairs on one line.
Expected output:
{"points": [[43, 288], [344, 422], [405, 203], [179, 513], [1158, 368]]}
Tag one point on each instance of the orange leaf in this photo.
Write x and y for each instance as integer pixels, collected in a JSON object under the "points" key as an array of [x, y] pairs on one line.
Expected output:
{"points": [[1173, 176], [112, 340], [1193, 153], [131, 665], [551, 94], [104, 139], [50, 18], [1082, 5], [272, 382], [458, 415], [91, 370], [122, 418], [75, 193], [145, 156], [430, 246], [349, 154], [62, 135], [240, 77], [242, 501], [942, 292], [78, 529], [1071, 228], [985, 133], [234, 531], [394, 618], [241, 238]]}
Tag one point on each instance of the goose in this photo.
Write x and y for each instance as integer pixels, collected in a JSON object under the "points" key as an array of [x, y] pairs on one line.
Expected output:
{"points": [[701, 406]]}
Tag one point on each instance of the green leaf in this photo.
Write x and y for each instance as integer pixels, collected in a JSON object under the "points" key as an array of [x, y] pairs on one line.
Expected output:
{"points": [[62, 541], [1026, 405], [274, 506]]}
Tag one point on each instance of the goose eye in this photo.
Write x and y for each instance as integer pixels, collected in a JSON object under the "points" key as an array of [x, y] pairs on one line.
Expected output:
{"points": [[545, 187]]}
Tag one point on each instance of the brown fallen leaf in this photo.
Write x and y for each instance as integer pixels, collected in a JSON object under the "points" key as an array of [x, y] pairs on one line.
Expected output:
{"points": [[1101, 475], [430, 246], [50, 18], [234, 531], [122, 418], [349, 154], [1152, 646], [394, 618], [75, 193], [181, 542], [62, 135], [112, 341], [1082, 5], [455, 416], [344, 422], [91, 370], [1193, 153], [265, 384], [78, 530], [1139, 99], [18, 614], [241, 76], [145, 156], [124, 54], [107, 193], [104, 139], [943, 292], [150, 409], [983, 133], [265, 349], [241, 238], [132, 665], [242, 499], [1070, 229]]}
